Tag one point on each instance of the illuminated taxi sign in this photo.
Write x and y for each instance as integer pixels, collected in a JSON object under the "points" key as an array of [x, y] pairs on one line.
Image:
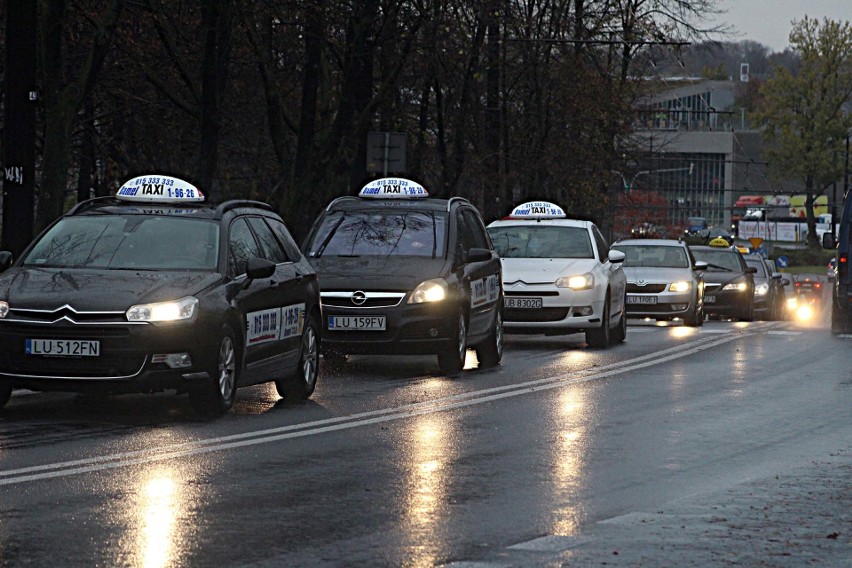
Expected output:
{"points": [[393, 188], [719, 242], [159, 189], [538, 210]]}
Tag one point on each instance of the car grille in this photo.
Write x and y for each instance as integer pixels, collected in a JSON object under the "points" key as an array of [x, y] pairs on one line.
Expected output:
{"points": [[65, 312], [527, 315], [527, 293], [633, 288], [366, 299]]}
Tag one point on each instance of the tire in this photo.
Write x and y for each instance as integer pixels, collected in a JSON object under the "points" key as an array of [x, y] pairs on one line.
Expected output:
{"points": [[5, 392], [694, 318], [301, 385], [748, 315], [490, 352], [451, 360], [216, 396], [599, 337]]}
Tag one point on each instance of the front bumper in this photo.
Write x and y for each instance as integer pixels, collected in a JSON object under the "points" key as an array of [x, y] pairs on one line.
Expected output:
{"points": [[562, 310], [661, 304], [727, 302]]}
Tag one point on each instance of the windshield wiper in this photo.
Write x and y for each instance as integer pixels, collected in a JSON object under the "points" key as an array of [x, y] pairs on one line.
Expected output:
{"points": [[328, 237], [726, 269]]}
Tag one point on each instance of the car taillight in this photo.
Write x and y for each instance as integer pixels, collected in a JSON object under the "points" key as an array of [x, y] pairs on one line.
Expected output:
{"points": [[843, 265]]}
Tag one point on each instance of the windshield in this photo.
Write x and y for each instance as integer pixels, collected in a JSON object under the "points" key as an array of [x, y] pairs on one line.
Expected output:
{"points": [[380, 233], [541, 241], [719, 259], [128, 242], [653, 255]]}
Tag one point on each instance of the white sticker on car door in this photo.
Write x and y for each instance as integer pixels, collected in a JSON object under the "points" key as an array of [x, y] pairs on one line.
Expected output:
{"points": [[484, 291], [275, 324]]}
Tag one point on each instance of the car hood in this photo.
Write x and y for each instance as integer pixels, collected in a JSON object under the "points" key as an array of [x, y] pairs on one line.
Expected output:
{"points": [[396, 273], [97, 290], [656, 274], [544, 270]]}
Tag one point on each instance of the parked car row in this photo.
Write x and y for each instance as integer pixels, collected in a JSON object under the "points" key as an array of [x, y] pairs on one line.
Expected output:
{"points": [[157, 289]]}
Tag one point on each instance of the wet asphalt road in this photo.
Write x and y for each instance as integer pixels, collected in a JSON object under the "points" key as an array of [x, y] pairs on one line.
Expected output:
{"points": [[392, 465]]}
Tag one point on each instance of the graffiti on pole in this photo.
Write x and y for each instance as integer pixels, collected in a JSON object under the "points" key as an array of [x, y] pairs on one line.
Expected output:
{"points": [[14, 174]]}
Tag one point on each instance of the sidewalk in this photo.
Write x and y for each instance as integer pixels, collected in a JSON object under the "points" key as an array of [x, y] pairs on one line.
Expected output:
{"points": [[801, 518]]}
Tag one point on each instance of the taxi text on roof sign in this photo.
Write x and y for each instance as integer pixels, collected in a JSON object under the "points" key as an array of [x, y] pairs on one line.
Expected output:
{"points": [[393, 188], [159, 189], [538, 210], [719, 242]]}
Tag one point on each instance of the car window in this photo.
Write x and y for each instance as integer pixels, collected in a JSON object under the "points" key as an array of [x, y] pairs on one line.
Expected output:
{"points": [[541, 241], [270, 248], [286, 239], [719, 259], [758, 264], [475, 229], [128, 242], [242, 247], [653, 255], [600, 241], [380, 233]]}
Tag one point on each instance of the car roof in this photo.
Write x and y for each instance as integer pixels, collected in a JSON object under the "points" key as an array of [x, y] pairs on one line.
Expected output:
{"points": [[203, 210], [655, 242], [353, 203]]}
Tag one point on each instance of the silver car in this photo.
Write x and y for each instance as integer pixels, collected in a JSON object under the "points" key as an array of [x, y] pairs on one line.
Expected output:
{"points": [[664, 281]]}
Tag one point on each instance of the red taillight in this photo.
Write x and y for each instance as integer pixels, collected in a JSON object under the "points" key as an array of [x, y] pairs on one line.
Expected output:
{"points": [[798, 284], [817, 285]]}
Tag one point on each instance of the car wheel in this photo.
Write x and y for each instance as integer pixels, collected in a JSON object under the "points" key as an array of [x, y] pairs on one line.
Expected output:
{"points": [[599, 337], [694, 318], [490, 352], [748, 315], [5, 392], [217, 395], [620, 333], [301, 385], [451, 360]]}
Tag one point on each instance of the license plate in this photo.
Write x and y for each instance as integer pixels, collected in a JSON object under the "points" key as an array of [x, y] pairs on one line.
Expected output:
{"points": [[641, 299], [357, 323], [522, 302], [709, 299], [63, 347]]}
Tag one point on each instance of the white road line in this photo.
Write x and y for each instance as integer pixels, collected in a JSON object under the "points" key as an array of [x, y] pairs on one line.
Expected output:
{"points": [[124, 459], [550, 543]]}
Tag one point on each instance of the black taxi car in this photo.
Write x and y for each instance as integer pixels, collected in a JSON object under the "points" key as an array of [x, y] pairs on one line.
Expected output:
{"points": [[156, 289], [404, 273], [728, 281]]}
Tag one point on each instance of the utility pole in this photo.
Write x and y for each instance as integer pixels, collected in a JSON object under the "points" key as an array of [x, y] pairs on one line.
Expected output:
{"points": [[19, 127]]}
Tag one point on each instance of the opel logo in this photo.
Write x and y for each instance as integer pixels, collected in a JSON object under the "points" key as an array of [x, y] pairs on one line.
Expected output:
{"points": [[359, 297]]}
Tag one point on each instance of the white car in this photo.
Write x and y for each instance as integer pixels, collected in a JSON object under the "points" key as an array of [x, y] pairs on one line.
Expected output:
{"points": [[559, 275]]}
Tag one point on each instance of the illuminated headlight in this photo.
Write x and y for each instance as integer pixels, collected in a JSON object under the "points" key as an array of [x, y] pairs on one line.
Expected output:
{"points": [[4, 309], [429, 291], [680, 286], [582, 282], [736, 286], [761, 289], [792, 303], [182, 309]]}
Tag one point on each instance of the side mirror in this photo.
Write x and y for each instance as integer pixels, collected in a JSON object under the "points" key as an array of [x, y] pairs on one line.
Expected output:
{"points": [[259, 268], [5, 260], [828, 241], [776, 276], [477, 255], [700, 265], [751, 270], [616, 256]]}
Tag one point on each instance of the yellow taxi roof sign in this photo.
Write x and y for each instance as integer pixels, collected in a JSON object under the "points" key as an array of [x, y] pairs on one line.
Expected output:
{"points": [[719, 242]]}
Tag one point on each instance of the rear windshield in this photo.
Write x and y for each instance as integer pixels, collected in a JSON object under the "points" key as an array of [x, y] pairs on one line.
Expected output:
{"points": [[719, 259], [541, 241], [380, 233], [653, 255], [128, 242]]}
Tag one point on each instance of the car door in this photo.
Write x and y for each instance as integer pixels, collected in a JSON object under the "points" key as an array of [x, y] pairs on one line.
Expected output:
{"points": [[481, 278], [614, 274], [257, 301]]}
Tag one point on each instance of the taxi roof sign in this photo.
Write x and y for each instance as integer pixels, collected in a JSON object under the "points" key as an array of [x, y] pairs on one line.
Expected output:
{"points": [[393, 188], [159, 189], [719, 242], [538, 210]]}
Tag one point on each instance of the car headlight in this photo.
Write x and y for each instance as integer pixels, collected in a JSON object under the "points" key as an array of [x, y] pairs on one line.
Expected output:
{"points": [[4, 309], [681, 286], [177, 310], [761, 289], [740, 286], [429, 291], [581, 282]]}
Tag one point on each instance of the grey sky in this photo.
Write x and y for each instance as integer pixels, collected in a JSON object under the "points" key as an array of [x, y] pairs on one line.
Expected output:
{"points": [[769, 21]]}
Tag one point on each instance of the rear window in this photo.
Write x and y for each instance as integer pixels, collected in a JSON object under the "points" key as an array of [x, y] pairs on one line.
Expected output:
{"points": [[128, 242], [380, 233], [541, 241]]}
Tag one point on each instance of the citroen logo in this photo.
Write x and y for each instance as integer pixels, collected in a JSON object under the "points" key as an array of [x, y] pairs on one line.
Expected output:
{"points": [[359, 297]]}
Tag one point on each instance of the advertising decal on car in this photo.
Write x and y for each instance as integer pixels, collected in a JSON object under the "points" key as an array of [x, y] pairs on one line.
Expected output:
{"points": [[484, 291], [274, 324]]}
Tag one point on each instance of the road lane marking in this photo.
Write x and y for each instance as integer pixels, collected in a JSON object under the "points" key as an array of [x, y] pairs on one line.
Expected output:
{"points": [[461, 400]]}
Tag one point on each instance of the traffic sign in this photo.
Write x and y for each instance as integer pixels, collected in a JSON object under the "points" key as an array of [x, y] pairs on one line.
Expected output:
{"points": [[782, 262]]}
